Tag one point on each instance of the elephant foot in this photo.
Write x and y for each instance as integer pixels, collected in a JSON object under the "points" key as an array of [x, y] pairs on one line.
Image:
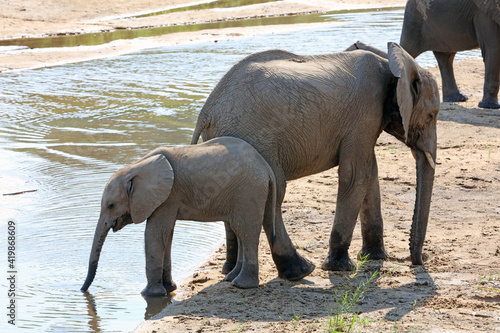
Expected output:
{"points": [[337, 263], [169, 286], [244, 278], [154, 290], [489, 104], [293, 267], [233, 274], [373, 254], [228, 266], [245, 282], [455, 97]]}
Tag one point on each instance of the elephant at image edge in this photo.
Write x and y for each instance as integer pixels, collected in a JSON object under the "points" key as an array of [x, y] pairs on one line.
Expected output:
{"points": [[224, 179], [307, 114], [445, 27]]}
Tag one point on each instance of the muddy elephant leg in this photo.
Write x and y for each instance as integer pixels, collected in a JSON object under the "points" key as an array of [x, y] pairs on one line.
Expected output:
{"points": [[167, 281], [488, 34], [353, 180], [372, 225], [450, 89], [159, 228], [231, 250], [290, 264]]}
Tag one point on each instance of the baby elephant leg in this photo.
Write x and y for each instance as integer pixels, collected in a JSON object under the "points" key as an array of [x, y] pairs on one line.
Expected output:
{"points": [[231, 250], [167, 281], [247, 227], [158, 240], [235, 271]]}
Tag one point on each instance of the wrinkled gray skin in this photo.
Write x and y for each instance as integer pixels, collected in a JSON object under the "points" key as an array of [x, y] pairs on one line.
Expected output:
{"points": [[448, 26], [307, 114], [224, 179]]}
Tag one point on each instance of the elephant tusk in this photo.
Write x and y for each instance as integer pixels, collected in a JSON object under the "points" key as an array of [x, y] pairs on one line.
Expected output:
{"points": [[414, 154], [430, 160]]}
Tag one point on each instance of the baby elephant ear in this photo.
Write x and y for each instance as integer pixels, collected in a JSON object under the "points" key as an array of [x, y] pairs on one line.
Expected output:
{"points": [[150, 185], [404, 67]]}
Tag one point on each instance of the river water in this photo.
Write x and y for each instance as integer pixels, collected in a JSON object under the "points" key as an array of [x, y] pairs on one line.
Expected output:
{"points": [[64, 130]]}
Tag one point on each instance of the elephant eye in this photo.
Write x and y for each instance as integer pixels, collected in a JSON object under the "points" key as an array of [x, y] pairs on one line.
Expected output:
{"points": [[111, 205]]}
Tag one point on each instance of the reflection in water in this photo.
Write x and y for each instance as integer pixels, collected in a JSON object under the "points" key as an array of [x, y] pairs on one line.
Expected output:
{"points": [[94, 320], [155, 305], [65, 130]]}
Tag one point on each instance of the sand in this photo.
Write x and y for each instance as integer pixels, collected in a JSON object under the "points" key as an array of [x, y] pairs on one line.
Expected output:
{"points": [[458, 288], [41, 18]]}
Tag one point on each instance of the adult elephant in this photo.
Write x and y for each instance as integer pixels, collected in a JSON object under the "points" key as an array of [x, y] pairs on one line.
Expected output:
{"points": [[448, 26], [307, 114]]}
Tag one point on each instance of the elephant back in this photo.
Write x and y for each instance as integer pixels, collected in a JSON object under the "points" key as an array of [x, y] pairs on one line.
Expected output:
{"points": [[490, 8]]}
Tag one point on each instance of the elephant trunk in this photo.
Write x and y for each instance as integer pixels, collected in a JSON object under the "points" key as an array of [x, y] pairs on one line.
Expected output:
{"points": [[425, 181], [100, 234]]}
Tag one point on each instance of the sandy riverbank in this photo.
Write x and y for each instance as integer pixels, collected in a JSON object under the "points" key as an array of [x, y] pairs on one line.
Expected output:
{"points": [[37, 18], [458, 290]]}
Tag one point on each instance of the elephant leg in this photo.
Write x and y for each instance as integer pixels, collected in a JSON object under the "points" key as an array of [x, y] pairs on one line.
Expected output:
{"points": [[372, 225], [246, 223], [289, 263], [159, 228], [231, 250], [488, 34], [450, 89], [167, 281], [353, 180], [246, 273], [233, 273], [248, 276]]}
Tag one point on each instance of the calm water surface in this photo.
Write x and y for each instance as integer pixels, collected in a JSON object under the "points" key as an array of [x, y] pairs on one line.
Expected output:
{"points": [[64, 130]]}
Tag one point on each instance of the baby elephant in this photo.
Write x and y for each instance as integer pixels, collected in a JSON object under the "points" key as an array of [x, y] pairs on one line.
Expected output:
{"points": [[224, 179]]}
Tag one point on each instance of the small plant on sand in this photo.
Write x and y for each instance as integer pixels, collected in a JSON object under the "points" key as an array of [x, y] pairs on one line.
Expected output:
{"points": [[343, 317], [295, 321], [238, 329], [490, 283]]}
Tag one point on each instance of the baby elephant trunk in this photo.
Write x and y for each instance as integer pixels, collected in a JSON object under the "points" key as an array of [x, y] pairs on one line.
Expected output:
{"points": [[425, 180], [101, 232]]}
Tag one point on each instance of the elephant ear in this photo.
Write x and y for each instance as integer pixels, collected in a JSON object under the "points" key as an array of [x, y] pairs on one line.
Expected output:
{"points": [[404, 67], [149, 186], [490, 8]]}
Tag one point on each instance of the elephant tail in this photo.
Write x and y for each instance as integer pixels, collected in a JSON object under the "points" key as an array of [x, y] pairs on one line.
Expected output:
{"points": [[201, 125], [271, 208]]}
